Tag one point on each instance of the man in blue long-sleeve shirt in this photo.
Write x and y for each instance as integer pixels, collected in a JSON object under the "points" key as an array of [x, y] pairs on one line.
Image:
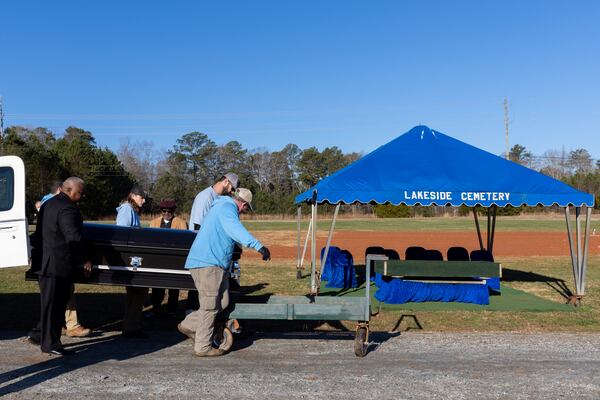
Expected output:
{"points": [[208, 261]]}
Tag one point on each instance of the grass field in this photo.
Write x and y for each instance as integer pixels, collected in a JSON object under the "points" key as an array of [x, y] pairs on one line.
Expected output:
{"points": [[544, 277], [543, 223], [547, 277]]}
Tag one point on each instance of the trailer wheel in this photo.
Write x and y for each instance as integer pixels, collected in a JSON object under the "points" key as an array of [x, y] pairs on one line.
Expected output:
{"points": [[360, 341], [223, 338]]}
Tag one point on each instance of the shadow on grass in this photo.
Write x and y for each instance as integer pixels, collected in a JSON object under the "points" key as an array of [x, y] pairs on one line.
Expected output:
{"points": [[558, 285], [21, 311]]}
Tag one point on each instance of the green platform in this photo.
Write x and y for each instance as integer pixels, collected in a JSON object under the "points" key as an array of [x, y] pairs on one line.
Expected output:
{"points": [[304, 308], [443, 269]]}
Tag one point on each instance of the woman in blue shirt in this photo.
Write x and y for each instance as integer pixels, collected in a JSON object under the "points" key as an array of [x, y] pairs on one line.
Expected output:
{"points": [[128, 215]]}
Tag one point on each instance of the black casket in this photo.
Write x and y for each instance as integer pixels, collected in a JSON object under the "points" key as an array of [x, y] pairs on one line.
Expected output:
{"points": [[145, 257]]}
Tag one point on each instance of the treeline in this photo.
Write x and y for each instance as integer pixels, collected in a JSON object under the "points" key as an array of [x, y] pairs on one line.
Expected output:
{"points": [[48, 158], [196, 161], [192, 164]]}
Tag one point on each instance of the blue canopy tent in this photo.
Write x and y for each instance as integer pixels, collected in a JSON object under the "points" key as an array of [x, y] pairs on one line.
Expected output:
{"points": [[426, 167]]}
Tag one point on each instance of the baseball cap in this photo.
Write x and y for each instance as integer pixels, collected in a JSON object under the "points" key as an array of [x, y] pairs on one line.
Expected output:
{"points": [[245, 195], [137, 189], [233, 178]]}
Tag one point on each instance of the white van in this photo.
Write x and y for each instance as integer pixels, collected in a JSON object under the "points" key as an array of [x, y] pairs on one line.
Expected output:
{"points": [[14, 239]]}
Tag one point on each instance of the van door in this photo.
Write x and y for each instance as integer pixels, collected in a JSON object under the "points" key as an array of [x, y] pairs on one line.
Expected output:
{"points": [[14, 239]]}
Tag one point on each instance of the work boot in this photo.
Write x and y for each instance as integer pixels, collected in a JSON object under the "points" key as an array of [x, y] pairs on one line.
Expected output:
{"points": [[187, 332], [210, 353], [32, 340], [78, 331]]}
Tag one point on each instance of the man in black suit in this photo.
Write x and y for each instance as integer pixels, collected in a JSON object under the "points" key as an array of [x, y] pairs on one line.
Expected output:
{"points": [[58, 250]]}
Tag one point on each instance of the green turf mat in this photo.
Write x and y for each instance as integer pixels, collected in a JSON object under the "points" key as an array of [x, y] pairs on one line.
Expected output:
{"points": [[510, 299]]}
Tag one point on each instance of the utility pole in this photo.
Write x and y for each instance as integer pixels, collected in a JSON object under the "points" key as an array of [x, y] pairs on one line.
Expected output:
{"points": [[1, 120], [506, 120]]}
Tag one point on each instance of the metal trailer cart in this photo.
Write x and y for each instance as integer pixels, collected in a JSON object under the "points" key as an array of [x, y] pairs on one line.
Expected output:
{"points": [[148, 257], [314, 307]]}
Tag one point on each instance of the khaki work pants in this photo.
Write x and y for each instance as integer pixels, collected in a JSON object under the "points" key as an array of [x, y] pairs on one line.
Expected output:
{"points": [[213, 289], [71, 320]]}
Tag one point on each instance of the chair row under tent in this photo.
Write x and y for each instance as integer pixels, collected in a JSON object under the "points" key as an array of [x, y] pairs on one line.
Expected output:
{"points": [[455, 253]]}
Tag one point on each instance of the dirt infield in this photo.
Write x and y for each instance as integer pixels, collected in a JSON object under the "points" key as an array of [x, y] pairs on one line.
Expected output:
{"points": [[283, 244]]}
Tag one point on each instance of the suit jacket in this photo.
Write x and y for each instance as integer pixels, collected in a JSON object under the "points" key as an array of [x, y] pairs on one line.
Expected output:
{"points": [[177, 223], [57, 243]]}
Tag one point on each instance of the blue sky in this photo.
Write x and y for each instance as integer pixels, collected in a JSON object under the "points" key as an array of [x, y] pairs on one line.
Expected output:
{"points": [[315, 73]]}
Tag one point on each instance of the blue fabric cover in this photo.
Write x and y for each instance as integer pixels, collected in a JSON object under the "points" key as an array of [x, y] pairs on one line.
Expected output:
{"points": [[493, 284], [426, 167], [399, 291], [338, 270]]}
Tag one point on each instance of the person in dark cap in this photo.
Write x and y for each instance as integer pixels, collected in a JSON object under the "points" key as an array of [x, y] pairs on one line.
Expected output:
{"points": [[129, 209], [128, 215], [167, 220]]}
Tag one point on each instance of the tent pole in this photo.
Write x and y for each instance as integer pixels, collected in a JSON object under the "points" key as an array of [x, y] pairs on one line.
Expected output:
{"points": [[575, 275], [585, 248], [488, 227], [491, 245], [299, 219], [313, 262], [579, 253], [330, 236], [478, 230], [306, 243]]}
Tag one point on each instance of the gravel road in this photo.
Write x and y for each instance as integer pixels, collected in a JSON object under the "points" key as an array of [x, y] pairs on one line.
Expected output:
{"points": [[310, 365]]}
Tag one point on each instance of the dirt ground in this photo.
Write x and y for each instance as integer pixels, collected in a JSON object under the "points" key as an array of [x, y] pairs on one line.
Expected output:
{"points": [[283, 244], [413, 365]]}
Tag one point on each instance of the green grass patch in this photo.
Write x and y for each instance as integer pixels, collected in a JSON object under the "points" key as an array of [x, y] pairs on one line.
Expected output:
{"points": [[509, 299], [534, 289]]}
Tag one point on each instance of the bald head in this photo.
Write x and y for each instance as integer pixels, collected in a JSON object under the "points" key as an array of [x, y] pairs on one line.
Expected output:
{"points": [[73, 187]]}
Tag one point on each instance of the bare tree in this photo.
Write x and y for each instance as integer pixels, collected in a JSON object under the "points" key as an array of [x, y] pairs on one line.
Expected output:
{"points": [[581, 161], [140, 159]]}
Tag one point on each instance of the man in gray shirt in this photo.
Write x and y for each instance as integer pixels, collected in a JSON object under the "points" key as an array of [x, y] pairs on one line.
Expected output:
{"points": [[226, 185], [203, 201]]}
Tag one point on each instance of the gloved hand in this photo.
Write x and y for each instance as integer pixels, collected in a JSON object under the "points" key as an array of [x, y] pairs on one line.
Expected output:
{"points": [[266, 254]]}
